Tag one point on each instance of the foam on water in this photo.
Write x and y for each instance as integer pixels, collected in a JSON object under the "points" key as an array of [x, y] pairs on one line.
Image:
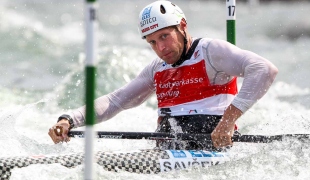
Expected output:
{"points": [[42, 77]]}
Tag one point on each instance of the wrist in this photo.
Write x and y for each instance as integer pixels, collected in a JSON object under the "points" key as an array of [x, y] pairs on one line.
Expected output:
{"points": [[66, 117]]}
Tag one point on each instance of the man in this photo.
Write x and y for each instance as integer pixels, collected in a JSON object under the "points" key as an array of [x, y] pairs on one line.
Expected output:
{"points": [[194, 80]]}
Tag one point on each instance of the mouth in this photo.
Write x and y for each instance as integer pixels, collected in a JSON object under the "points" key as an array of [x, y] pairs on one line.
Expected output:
{"points": [[166, 55]]}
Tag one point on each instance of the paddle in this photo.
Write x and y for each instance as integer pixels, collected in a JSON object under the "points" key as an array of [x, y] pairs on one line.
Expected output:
{"points": [[184, 136]]}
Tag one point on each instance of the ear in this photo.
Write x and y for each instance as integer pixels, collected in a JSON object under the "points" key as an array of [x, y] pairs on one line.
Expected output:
{"points": [[183, 24]]}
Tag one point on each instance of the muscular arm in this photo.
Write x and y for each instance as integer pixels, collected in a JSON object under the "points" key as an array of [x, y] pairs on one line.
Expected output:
{"points": [[129, 96]]}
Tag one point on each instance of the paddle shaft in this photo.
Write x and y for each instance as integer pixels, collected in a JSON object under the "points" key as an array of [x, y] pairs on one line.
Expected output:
{"points": [[185, 136]]}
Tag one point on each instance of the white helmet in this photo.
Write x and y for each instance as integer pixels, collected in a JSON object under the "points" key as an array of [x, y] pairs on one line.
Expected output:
{"points": [[158, 15]]}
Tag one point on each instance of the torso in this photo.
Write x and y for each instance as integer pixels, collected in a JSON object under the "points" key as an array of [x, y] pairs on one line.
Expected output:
{"points": [[186, 89]]}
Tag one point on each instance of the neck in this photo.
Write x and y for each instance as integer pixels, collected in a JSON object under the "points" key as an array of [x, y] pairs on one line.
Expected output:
{"points": [[189, 43]]}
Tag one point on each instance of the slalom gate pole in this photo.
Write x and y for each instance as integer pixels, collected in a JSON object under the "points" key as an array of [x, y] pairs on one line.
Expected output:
{"points": [[91, 26], [231, 21]]}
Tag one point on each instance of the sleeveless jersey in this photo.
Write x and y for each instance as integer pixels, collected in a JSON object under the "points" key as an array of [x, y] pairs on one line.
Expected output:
{"points": [[186, 90]]}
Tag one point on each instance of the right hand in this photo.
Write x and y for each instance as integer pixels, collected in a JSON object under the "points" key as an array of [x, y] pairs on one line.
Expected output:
{"points": [[59, 132]]}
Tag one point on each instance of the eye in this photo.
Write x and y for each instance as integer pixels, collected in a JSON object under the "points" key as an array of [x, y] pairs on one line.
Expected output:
{"points": [[152, 42], [164, 36]]}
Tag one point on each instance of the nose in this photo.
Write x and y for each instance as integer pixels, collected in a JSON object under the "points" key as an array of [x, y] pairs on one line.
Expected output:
{"points": [[161, 46]]}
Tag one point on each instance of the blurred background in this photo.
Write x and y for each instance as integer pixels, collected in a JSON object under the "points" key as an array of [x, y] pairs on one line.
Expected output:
{"points": [[42, 76]]}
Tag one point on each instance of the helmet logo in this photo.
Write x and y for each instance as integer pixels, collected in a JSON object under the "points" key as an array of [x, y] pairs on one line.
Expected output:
{"points": [[158, 15], [148, 21], [146, 17], [146, 13]]}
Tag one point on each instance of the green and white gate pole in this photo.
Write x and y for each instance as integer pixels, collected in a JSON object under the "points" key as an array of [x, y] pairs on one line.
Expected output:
{"points": [[231, 21], [91, 26]]}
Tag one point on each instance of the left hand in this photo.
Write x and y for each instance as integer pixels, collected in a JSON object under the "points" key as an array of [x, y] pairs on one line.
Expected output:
{"points": [[223, 132]]}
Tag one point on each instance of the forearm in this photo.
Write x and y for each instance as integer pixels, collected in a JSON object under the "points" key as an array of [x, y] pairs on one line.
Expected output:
{"points": [[231, 115], [221, 135]]}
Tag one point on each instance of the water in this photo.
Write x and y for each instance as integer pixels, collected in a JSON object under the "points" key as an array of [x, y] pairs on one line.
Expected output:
{"points": [[42, 55]]}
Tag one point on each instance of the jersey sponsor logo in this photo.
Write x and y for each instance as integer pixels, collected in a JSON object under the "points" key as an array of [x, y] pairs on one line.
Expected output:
{"points": [[186, 84], [196, 54], [168, 94], [170, 85], [194, 110], [181, 82]]}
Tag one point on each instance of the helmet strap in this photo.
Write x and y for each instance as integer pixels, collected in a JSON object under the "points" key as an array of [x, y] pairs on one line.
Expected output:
{"points": [[183, 56]]}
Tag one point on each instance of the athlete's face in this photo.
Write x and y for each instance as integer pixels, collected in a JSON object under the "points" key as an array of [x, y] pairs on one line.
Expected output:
{"points": [[167, 44]]}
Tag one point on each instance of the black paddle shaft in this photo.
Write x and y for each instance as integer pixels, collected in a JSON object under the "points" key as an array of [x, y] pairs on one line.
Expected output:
{"points": [[268, 139], [185, 136]]}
